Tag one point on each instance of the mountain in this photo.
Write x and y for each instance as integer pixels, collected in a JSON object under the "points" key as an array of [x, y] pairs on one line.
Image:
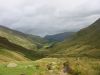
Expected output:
{"points": [[25, 40], [59, 37], [86, 42]]}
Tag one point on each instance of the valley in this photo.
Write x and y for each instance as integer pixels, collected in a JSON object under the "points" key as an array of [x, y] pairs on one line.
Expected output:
{"points": [[27, 51]]}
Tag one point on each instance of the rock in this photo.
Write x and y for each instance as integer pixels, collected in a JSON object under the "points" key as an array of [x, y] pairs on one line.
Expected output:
{"points": [[12, 65]]}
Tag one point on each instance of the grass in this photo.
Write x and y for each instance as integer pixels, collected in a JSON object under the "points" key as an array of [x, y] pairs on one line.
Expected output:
{"points": [[25, 40], [7, 55], [87, 66], [86, 42], [27, 68]]}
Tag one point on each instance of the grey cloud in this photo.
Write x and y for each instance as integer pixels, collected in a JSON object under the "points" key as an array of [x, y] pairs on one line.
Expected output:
{"points": [[43, 17]]}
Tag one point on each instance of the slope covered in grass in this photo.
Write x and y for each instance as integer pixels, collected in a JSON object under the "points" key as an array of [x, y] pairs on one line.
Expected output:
{"points": [[19, 38], [10, 51], [86, 42], [8, 56]]}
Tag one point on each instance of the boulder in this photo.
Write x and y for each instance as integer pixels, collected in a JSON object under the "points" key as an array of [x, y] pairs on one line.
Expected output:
{"points": [[12, 65]]}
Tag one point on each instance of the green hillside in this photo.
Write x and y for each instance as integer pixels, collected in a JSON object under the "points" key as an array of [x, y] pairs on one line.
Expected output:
{"points": [[86, 42], [12, 52], [29, 47], [19, 38]]}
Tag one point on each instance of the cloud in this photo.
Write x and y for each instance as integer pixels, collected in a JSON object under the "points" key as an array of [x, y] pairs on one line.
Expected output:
{"points": [[43, 17]]}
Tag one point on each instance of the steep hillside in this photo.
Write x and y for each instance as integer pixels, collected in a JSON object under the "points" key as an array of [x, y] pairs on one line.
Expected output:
{"points": [[12, 52], [19, 38], [59, 37], [86, 42]]}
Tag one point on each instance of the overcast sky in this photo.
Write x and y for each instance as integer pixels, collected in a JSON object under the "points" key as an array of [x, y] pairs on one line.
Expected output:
{"points": [[42, 17]]}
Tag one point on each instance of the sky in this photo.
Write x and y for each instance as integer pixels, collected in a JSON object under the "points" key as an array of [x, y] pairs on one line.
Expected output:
{"points": [[44, 17]]}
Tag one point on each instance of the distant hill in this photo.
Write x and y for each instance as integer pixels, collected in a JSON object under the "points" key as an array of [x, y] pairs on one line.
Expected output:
{"points": [[25, 40], [59, 37], [86, 42]]}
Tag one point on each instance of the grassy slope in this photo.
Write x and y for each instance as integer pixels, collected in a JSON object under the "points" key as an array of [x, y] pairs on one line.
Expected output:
{"points": [[8, 55], [10, 51], [27, 41], [86, 42]]}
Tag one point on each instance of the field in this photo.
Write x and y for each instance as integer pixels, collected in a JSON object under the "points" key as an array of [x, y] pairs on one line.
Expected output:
{"points": [[87, 66]]}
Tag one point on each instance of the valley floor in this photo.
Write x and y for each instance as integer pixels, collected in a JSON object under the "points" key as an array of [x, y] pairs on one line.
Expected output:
{"points": [[86, 66]]}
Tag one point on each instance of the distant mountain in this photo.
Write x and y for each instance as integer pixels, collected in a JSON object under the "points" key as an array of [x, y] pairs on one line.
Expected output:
{"points": [[86, 42], [25, 40], [59, 37]]}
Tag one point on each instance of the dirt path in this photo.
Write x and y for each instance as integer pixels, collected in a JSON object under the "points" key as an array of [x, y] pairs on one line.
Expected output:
{"points": [[62, 73], [53, 73]]}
